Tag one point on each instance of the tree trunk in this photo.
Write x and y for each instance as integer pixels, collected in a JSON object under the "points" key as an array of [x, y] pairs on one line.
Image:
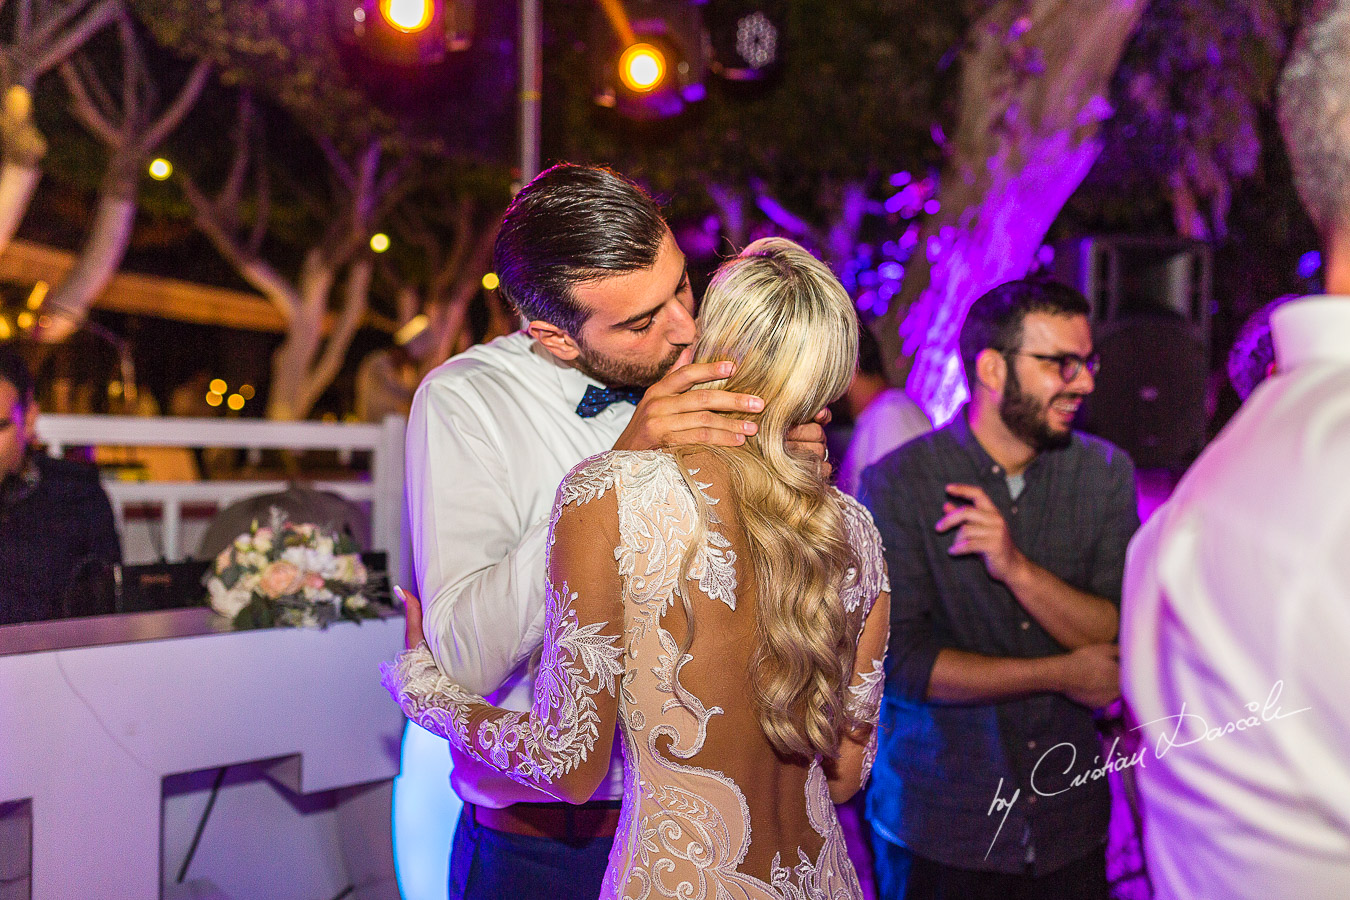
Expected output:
{"points": [[23, 148], [1032, 100], [109, 236], [17, 184], [305, 364], [304, 332]]}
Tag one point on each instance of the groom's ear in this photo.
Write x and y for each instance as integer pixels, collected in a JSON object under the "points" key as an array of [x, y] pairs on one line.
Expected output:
{"points": [[553, 339]]}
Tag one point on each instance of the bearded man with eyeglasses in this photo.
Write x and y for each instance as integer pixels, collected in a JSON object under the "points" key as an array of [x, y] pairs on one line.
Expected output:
{"points": [[1005, 536]]}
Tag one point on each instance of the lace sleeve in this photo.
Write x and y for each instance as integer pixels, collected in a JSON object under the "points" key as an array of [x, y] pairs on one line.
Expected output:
{"points": [[563, 744], [869, 597]]}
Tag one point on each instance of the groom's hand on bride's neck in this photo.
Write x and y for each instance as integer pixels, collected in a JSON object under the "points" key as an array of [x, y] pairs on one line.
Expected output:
{"points": [[674, 412]]}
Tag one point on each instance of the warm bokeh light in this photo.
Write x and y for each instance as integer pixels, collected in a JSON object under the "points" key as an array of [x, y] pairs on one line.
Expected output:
{"points": [[407, 15], [213, 399], [218, 386], [642, 67], [491, 281], [246, 391], [5, 331], [379, 242], [25, 320], [161, 169], [37, 295], [235, 402]]}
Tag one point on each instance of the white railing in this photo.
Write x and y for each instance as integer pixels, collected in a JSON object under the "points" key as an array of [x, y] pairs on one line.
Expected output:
{"points": [[383, 491]]}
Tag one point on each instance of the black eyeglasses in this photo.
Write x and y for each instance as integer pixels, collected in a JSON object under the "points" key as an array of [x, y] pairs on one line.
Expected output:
{"points": [[1070, 364]]}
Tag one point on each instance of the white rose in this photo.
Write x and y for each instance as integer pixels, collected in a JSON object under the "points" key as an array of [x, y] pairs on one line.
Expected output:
{"points": [[295, 556], [227, 602], [254, 560], [262, 541], [242, 542], [324, 545], [357, 601]]}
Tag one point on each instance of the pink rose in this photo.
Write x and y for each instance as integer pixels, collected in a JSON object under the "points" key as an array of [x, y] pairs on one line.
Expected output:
{"points": [[314, 581], [280, 578]]}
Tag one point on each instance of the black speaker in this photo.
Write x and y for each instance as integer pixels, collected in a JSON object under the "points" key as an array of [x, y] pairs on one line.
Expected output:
{"points": [[1150, 395]]}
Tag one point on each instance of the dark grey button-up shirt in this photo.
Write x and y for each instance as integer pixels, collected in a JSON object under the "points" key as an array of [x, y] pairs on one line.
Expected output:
{"points": [[941, 766]]}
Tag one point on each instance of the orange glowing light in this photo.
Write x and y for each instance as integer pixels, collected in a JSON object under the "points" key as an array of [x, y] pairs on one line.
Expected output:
{"points": [[408, 16], [642, 67]]}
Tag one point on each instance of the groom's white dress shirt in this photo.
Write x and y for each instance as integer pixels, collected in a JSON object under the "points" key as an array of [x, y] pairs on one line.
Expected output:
{"points": [[1235, 639], [491, 435]]}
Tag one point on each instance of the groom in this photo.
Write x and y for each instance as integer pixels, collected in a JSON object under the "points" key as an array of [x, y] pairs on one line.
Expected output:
{"points": [[586, 258]]}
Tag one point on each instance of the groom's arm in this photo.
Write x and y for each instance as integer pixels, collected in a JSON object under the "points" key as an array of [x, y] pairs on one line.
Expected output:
{"points": [[480, 568]]}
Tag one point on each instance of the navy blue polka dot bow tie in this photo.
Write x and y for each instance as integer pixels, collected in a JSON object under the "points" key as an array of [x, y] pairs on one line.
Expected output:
{"points": [[597, 400]]}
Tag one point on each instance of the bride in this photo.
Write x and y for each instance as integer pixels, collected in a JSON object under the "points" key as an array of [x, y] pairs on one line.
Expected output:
{"points": [[724, 608]]}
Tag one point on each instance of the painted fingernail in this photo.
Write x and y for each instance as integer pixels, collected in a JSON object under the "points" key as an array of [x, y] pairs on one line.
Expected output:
{"points": [[398, 592]]}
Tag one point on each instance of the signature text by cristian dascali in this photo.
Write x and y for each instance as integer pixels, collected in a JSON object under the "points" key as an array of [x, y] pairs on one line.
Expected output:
{"points": [[1188, 728]]}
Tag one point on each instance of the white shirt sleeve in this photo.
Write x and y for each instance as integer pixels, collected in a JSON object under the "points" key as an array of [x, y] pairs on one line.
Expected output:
{"points": [[480, 569]]}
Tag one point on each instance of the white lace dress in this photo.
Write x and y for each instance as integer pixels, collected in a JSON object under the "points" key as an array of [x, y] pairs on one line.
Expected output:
{"points": [[709, 810]]}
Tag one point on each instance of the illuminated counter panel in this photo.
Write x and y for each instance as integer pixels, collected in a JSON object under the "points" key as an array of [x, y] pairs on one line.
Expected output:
{"points": [[96, 712]]}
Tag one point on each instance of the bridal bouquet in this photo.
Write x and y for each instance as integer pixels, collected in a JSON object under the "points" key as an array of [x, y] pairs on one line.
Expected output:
{"points": [[291, 574]]}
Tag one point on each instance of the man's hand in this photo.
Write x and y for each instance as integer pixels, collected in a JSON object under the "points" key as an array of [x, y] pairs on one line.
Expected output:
{"points": [[983, 531], [412, 610], [670, 413], [1091, 675]]}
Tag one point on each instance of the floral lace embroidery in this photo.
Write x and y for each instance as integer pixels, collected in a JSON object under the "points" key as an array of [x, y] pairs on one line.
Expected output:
{"points": [[863, 703], [861, 588], [559, 732], [684, 830]]}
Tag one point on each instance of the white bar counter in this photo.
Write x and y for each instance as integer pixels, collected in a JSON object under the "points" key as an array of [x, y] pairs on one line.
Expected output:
{"points": [[95, 713]]}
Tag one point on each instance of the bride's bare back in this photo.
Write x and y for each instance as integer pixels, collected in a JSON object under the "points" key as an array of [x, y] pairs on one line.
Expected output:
{"points": [[709, 809]]}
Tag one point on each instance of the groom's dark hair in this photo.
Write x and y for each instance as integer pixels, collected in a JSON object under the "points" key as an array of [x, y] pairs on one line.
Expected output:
{"points": [[571, 225]]}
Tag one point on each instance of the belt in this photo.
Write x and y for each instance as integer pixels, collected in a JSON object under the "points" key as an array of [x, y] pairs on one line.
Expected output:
{"points": [[567, 822]]}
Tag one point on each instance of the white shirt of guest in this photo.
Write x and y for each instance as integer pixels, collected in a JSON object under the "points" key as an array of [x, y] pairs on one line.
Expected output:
{"points": [[891, 419], [491, 435], [1237, 610]]}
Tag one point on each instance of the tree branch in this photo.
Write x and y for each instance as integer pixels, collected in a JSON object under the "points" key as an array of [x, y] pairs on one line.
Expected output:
{"points": [[60, 49], [181, 105], [339, 165], [356, 295], [250, 266], [133, 73], [85, 109]]}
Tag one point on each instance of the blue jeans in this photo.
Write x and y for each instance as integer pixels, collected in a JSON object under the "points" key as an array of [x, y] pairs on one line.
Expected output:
{"points": [[902, 875], [486, 864]]}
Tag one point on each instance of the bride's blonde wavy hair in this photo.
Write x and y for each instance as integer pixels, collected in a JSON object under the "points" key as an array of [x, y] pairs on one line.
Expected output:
{"points": [[787, 323]]}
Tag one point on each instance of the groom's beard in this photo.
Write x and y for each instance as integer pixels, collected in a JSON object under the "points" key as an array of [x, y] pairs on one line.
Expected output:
{"points": [[622, 372]]}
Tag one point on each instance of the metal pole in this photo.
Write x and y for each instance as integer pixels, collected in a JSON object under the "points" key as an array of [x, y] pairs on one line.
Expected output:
{"points": [[531, 85]]}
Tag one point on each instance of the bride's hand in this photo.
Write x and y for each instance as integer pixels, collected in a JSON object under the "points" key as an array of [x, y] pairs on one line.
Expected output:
{"points": [[412, 610]]}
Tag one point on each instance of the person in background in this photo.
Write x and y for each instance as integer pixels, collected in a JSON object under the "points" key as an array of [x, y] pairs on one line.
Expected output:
{"points": [[56, 524], [1252, 357], [884, 417], [387, 378], [1005, 535], [1237, 592]]}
